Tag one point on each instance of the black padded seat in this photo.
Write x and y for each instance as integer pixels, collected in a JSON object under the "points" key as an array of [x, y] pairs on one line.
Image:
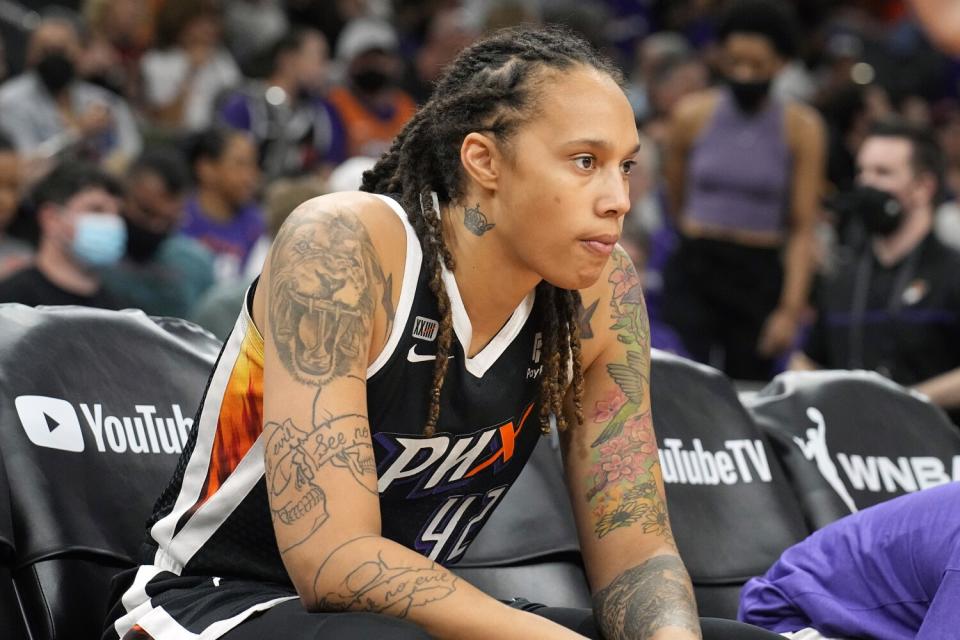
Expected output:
{"points": [[94, 410], [852, 439], [731, 507]]}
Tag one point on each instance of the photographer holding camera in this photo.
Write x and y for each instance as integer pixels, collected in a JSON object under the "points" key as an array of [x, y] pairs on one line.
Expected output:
{"points": [[894, 305]]}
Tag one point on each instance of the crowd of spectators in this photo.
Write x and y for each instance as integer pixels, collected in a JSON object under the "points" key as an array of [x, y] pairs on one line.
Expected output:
{"points": [[149, 150]]}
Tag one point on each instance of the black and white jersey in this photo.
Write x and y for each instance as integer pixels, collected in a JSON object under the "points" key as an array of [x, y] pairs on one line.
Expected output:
{"points": [[211, 535]]}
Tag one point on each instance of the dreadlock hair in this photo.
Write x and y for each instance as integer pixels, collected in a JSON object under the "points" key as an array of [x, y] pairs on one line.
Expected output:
{"points": [[492, 86]]}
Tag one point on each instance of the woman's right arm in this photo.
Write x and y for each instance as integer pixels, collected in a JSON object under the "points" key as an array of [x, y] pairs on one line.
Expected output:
{"points": [[323, 289]]}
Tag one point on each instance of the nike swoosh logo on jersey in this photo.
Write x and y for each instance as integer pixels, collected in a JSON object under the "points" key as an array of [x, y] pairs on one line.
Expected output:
{"points": [[413, 356]]}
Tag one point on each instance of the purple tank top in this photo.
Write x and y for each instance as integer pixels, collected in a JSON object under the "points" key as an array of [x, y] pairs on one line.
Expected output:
{"points": [[739, 171]]}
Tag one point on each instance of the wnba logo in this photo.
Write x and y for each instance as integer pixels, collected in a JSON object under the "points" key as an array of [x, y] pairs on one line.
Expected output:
{"points": [[871, 473]]}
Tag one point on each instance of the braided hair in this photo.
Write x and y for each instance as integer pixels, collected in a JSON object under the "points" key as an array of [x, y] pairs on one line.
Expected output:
{"points": [[490, 87]]}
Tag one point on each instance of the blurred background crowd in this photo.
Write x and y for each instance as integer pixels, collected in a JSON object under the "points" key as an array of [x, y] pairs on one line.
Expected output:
{"points": [[795, 202]]}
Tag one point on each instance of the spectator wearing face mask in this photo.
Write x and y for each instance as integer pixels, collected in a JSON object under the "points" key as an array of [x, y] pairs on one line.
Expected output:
{"points": [[77, 212], [164, 272], [371, 105], [222, 212], [48, 111], [744, 172], [295, 127], [893, 306]]}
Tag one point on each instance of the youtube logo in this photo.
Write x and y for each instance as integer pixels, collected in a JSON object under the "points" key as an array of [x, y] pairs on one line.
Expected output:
{"points": [[50, 422], [55, 424]]}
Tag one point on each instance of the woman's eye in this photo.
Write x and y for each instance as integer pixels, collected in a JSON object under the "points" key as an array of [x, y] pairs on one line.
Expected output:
{"points": [[585, 162], [628, 166]]}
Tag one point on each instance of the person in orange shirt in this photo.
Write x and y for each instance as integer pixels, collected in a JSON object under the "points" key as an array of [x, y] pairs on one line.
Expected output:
{"points": [[370, 103]]}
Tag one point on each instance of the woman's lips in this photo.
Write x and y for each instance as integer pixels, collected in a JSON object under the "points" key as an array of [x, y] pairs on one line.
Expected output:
{"points": [[599, 247]]}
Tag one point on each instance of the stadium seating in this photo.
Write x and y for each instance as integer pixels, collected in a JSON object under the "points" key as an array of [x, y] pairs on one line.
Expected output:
{"points": [[95, 406], [94, 411], [852, 439], [731, 507]]}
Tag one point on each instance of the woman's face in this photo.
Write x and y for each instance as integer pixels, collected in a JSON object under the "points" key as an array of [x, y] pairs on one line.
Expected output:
{"points": [[562, 198], [235, 175], [748, 57]]}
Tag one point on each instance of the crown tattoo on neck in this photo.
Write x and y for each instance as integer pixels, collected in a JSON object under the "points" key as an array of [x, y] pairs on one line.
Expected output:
{"points": [[475, 221]]}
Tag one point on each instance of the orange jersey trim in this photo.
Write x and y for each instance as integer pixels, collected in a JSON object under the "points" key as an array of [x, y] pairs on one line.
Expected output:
{"points": [[240, 422]]}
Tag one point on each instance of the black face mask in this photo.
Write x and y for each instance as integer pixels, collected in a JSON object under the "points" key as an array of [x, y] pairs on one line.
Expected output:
{"points": [[56, 71], [371, 80], [143, 243], [880, 212], [749, 95]]}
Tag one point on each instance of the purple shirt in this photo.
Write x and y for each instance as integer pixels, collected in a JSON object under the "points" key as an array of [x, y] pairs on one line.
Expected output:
{"points": [[739, 171], [891, 571], [231, 241]]}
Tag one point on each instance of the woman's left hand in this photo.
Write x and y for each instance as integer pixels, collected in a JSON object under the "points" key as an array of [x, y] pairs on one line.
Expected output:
{"points": [[779, 333]]}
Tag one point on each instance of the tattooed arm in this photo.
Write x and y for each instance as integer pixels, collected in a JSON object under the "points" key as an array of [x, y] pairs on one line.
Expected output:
{"points": [[640, 586], [325, 302]]}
